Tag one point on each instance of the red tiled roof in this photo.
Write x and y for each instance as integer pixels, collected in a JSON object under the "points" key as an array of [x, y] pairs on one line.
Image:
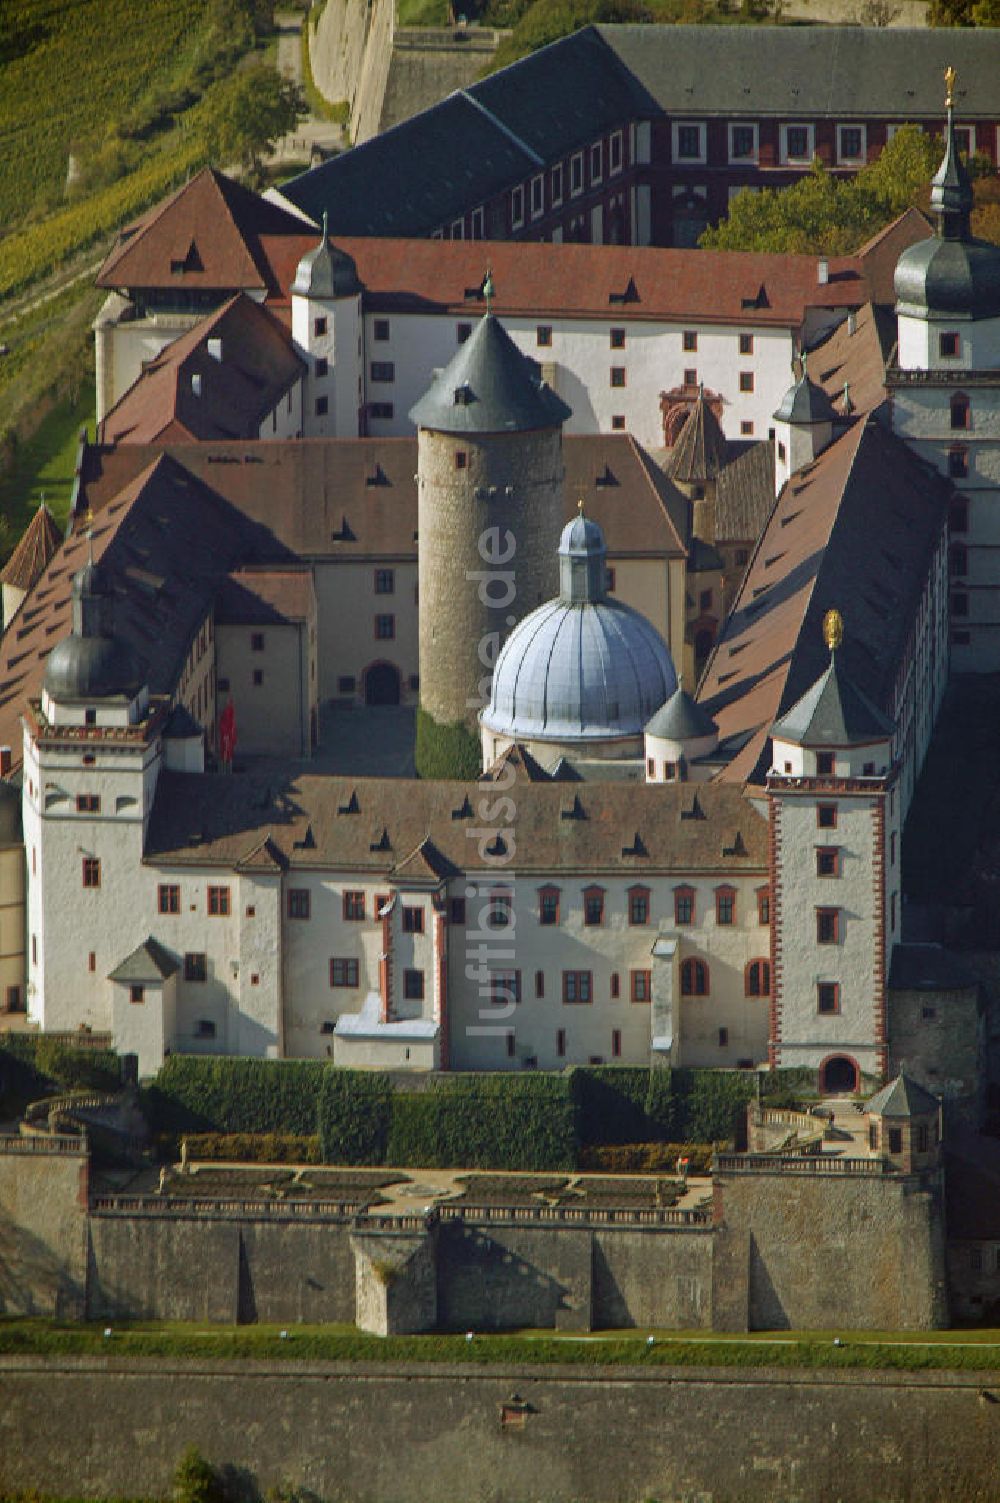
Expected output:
{"points": [[235, 393], [38, 543]]}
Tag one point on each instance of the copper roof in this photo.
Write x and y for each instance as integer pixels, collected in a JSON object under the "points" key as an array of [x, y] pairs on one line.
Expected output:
{"points": [[623, 828], [189, 392], [38, 542], [856, 530]]}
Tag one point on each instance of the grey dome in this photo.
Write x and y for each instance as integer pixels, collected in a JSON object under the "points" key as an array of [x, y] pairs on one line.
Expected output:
{"points": [[489, 387], [326, 272], [805, 402], [959, 277], [580, 667], [92, 663]]}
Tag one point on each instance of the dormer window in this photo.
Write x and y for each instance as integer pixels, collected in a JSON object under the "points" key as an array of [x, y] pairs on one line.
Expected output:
{"points": [[463, 396]]}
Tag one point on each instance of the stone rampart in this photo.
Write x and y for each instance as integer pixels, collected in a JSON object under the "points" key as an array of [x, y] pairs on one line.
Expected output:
{"points": [[43, 1226], [376, 1433]]}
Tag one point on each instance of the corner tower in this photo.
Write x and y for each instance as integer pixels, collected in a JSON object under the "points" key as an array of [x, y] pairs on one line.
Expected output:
{"points": [[490, 483], [326, 328]]}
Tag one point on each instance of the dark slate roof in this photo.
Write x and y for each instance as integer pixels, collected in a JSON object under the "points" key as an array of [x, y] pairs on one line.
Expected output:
{"points": [[744, 495], [805, 402], [805, 71], [902, 1097], [833, 713], [489, 387], [681, 719], [928, 968], [149, 963], [700, 451], [949, 276], [180, 725], [412, 178], [326, 271]]}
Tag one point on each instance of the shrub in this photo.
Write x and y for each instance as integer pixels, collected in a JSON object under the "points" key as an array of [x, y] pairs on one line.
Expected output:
{"points": [[255, 1148], [196, 1480], [446, 751], [200, 1093], [46, 1062], [647, 1158]]}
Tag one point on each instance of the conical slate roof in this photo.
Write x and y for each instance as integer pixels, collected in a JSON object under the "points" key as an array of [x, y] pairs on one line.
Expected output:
{"points": [[902, 1097], [832, 713], [805, 402], [700, 451], [31, 557], [489, 387], [681, 719]]}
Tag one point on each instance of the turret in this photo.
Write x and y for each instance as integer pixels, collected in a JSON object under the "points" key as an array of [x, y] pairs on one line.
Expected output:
{"points": [[326, 328], [803, 426]]}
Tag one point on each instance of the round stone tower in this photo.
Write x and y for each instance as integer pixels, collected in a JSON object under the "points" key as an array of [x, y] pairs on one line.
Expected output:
{"points": [[490, 483]]}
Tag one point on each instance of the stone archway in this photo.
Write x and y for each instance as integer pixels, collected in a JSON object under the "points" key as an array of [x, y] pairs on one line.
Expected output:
{"points": [[382, 684], [839, 1073]]}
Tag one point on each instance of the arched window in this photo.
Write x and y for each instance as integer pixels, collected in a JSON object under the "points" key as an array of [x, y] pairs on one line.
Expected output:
{"points": [[757, 978], [958, 559], [694, 978], [961, 413]]}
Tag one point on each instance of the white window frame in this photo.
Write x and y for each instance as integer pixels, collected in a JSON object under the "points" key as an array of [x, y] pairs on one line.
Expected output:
{"points": [[616, 140], [478, 224], [597, 155], [754, 156], [458, 229], [810, 130], [517, 207], [576, 160], [861, 158], [969, 134], [675, 136], [538, 183], [556, 176]]}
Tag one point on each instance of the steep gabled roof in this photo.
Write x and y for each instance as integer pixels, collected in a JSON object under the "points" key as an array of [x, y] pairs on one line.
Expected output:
{"points": [[39, 542], [745, 495], [855, 530], [220, 380], [426, 863], [210, 235], [700, 451]]}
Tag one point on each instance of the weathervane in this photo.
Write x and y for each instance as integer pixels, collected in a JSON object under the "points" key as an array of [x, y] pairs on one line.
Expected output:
{"points": [[949, 83], [833, 629]]}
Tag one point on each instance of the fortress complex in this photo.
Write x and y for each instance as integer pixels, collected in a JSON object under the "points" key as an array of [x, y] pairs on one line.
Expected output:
{"points": [[703, 697]]}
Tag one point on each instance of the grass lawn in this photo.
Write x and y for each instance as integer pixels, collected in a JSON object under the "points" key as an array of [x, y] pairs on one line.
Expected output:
{"points": [[974, 1350], [44, 465]]}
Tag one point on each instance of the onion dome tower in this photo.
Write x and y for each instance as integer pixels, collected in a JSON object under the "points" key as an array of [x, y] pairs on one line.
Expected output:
{"points": [[490, 478], [803, 426], [326, 328], [90, 664], [948, 286], [582, 674]]}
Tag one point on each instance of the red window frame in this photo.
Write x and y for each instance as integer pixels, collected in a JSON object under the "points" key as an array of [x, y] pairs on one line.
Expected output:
{"points": [[639, 907], [827, 926], [695, 978], [91, 871], [413, 920], [344, 971], [828, 991], [502, 983], [168, 898], [640, 986], [763, 905], [218, 902], [593, 907], [757, 978], [684, 906], [578, 988], [299, 904], [353, 906], [827, 861], [826, 816], [725, 906], [548, 915]]}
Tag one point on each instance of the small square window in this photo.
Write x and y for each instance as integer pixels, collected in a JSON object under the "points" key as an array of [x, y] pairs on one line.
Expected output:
{"points": [[690, 376], [746, 427], [746, 344], [319, 326], [383, 371], [344, 972], [413, 920], [826, 816], [298, 903], [746, 380], [385, 581], [689, 340], [543, 335], [617, 375], [413, 986], [380, 330], [617, 339], [824, 764], [461, 459], [385, 628], [828, 861], [322, 366], [354, 905], [88, 803], [618, 423], [742, 143], [827, 926], [322, 406], [948, 345], [827, 996], [195, 966], [256, 641], [136, 992]]}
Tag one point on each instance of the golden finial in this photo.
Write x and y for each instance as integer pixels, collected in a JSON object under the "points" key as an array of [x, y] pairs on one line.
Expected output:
{"points": [[949, 83], [489, 290], [833, 629], [579, 506]]}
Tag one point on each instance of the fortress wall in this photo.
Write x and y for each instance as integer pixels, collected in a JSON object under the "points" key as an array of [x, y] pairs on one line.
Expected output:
{"points": [[43, 1230], [377, 1433], [833, 1251]]}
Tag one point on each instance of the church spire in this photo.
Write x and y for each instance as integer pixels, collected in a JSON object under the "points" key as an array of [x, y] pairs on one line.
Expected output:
{"points": [[951, 190]]}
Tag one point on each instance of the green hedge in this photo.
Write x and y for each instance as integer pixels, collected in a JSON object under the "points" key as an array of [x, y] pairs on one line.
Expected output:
{"points": [[630, 1105], [446, 751], [31, 1061], [354, 1114], [204, 1093]]}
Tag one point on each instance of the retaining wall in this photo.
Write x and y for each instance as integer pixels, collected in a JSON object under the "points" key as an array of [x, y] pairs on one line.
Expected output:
{"points": [[377, 1433]]}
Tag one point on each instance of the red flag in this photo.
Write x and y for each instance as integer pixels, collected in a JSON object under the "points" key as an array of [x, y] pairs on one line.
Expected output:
{"points": [[227, 732]]}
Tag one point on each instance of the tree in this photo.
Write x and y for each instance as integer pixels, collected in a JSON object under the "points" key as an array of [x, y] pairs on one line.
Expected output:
{"points": [[823, 215], [249, 114], [196, 1480]]}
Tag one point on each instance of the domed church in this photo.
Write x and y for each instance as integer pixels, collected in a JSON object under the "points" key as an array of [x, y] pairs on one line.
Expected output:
{"points": [[582, 674]]}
